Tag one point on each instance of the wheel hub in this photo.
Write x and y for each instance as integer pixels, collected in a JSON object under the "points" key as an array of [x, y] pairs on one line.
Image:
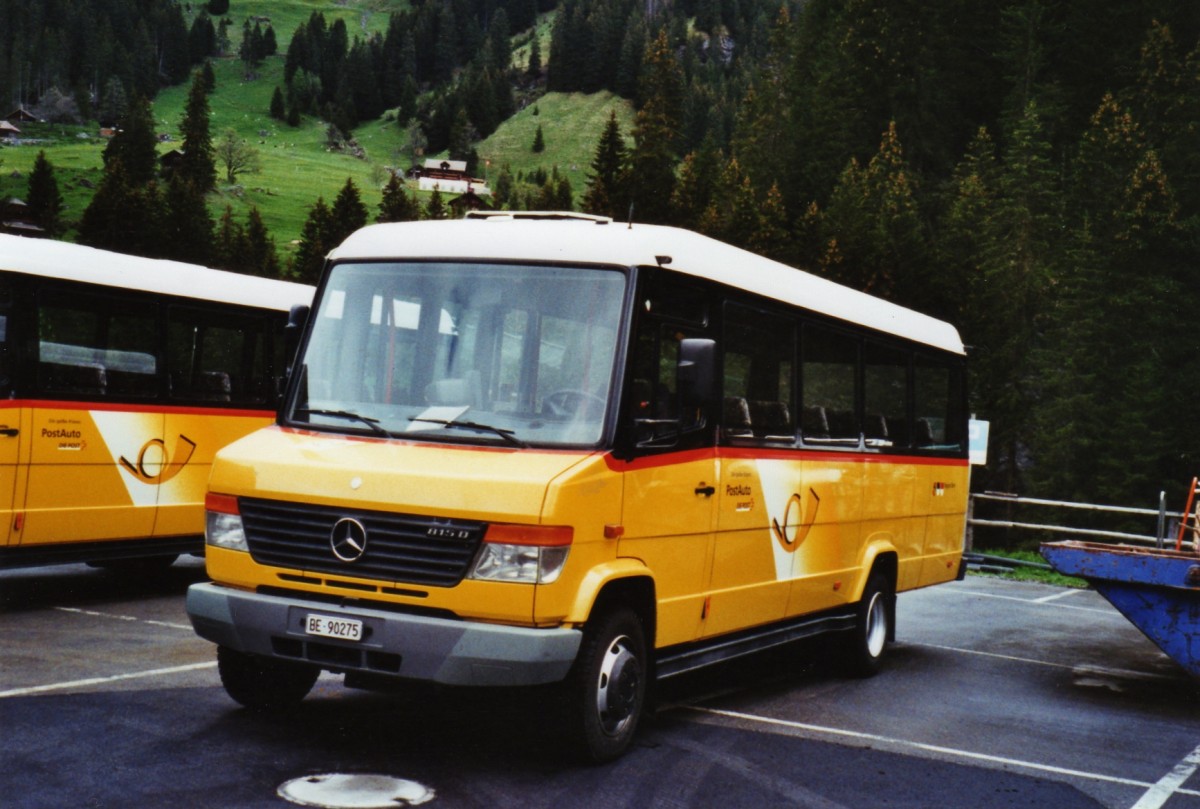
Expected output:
{"points": [[620, 680]]}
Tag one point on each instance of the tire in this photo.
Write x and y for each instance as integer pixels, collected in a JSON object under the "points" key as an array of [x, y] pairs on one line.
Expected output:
{"points": [[264, 683], [866, 648], [606, 690]]}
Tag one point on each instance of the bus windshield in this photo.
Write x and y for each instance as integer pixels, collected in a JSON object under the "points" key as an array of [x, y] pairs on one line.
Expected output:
{"points": [[462, 352]]}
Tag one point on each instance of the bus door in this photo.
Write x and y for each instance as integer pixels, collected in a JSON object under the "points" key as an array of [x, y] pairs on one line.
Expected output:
{"points": [[670, 487], [96, 433], [755, 547]]}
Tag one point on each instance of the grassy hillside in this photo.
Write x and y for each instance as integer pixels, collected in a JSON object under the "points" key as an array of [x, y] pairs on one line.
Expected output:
{"points": [[296, 165], [362, 17], [571, 127]]}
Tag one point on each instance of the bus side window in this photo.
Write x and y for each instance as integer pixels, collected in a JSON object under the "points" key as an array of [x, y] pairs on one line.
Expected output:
{"points": [[217, 358], [829, 396], [759, 351], [885, 395], [94, 345], [938, 406], [652, 396]]}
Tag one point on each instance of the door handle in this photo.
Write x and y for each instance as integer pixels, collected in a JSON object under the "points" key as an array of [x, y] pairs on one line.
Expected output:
{"points": [[707, 491], [9, 432]]}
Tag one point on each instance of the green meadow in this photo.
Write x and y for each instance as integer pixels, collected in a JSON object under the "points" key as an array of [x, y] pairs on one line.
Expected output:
{"points": [[296, 165]]}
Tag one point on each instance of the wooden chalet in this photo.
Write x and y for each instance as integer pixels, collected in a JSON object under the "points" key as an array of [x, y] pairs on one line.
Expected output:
{"points": [[20, 114], [16, 219], [448, 176]]}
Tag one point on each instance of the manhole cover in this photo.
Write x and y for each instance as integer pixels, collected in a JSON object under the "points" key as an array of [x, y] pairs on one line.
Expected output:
{"points": [[338, 791]]}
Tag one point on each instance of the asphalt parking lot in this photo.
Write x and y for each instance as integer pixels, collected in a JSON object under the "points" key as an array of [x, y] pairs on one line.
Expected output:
{"points": [[997, 695]]}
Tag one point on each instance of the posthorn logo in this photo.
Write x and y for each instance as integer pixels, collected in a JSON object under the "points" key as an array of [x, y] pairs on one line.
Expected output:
{"points": [[348, 539]]}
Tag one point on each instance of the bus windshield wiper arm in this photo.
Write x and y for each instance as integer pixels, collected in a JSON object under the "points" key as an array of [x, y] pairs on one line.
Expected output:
{"points": [[507, 435], [349, 416]]}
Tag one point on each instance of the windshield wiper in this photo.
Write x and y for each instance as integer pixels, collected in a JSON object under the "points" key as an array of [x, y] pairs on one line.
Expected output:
{"points": [[507, 435], [349, 416]]}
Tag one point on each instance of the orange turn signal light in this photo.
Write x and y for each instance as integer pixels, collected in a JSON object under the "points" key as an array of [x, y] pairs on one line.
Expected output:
{"points": [[543, 535], [221, 503]]}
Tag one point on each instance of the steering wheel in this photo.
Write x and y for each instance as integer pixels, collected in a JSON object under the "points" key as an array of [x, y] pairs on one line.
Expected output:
{"points": [[572, 403]]}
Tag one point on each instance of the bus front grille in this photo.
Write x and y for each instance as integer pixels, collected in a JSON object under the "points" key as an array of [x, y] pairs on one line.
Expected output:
{"points": [[394, 547]]}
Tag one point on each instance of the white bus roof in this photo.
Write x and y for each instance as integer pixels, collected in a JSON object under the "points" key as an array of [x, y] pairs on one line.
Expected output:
{"points": [[72, 262], [575, 238]]}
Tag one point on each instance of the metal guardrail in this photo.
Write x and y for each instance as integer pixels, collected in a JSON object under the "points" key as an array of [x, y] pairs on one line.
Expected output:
{"points": [[984, 563], [1157, 540]]}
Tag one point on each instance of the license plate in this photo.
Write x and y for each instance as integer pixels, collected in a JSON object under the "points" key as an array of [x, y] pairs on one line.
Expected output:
{"points": [[325, 626]]}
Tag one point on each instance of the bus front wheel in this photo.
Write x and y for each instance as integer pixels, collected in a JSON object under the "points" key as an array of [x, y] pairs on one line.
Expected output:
{"points": [[867, 645], [264, 683], [607, 687]]}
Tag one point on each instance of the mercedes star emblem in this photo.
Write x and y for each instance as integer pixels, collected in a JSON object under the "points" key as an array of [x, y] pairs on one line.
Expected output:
{"points": [[348, 539]]}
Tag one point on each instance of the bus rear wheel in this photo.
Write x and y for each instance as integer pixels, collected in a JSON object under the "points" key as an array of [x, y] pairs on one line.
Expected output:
{"points": [[264, 683], [606, 690], [866, 647]]}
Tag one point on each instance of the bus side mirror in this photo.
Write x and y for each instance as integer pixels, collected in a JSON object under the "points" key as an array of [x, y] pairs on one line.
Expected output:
{"points": [[297, 317], [695, 372]]}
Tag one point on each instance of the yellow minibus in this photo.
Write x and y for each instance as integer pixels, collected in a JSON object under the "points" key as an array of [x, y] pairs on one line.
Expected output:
{"points": [[542, 448], [120, 377]]}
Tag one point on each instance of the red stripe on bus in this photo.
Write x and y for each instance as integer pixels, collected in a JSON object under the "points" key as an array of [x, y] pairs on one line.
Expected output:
{"points": [[126, 407]]}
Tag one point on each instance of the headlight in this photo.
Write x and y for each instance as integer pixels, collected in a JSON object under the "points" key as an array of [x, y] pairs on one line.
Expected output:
{"points": [[524, 554], [223, 523]]}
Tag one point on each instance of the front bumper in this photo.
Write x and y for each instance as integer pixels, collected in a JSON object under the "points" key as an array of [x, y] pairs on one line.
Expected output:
{"points": [[416, 647]]}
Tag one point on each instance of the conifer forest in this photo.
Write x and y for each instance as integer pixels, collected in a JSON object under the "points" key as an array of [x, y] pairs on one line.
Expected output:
{"points": [[1026, 169]]}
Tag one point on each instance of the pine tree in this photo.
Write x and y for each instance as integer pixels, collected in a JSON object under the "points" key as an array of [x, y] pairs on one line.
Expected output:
{"points": [[534, 68], [134, 144], [435, 208], [187, 227], [539, 141], [961, 241], [347, 215], [498, 39], [772, 237], [309, 259], [261, 256], [633, 50], [503, 190], [114, 103], [278, 107], [873, 218], [699, 176], [605, 193], [396, 205], [123, 216], [208, 76], [764, 134], [1018, 260], [564, 196], [43, 198], [1165, 100], [229, 243], [197, 165], [655, 135]]}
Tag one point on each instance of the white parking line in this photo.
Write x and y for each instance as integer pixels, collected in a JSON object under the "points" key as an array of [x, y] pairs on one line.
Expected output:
{"points": [[133, 675], [1057, 596], [966, 754], [115, 617], [1170, 783], [1049, 602], [1078, 668]]}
